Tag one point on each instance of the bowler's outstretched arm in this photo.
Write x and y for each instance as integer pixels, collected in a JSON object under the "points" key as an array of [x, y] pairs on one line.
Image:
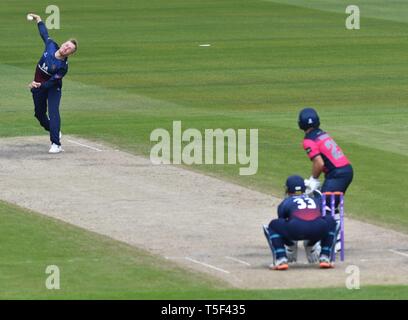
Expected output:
{"points": [[41, 27]]}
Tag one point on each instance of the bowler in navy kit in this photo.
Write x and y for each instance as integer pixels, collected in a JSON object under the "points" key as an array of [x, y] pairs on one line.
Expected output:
{"points": [[47, 85], [300, 218]]}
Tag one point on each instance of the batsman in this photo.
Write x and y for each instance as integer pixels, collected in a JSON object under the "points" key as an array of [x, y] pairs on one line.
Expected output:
{"points": [[327, 157]]}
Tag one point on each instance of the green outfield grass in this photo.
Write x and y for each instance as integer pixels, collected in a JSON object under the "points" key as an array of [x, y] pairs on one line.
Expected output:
{"points": [[140, 66], [96, 267], [91, 266]]}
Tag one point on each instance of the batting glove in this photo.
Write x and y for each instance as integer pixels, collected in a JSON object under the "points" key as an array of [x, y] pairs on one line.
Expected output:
{"points": [[312, 183]]}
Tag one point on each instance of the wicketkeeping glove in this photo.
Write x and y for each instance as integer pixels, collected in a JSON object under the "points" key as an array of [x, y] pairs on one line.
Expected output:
{"points": [[312, 184], [312, 252], [291, 253]]}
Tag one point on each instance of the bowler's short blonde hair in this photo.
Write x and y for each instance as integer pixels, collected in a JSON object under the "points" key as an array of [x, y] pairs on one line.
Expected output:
{"points": [[74, 42]]}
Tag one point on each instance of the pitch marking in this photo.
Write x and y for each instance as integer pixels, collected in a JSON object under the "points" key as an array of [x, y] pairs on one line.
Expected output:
{"points": [[207, 265], [84, 145], [397, 252], [237, 260]]}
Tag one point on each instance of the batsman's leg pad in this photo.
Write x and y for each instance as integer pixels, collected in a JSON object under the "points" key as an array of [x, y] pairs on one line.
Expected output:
{"points": [[338, 235]]}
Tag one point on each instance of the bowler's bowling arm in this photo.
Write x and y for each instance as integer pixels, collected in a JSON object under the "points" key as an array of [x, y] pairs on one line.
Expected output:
{"points": [[36, 17]]}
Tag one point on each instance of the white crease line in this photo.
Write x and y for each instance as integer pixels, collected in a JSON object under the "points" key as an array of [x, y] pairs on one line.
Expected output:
{"points": [[397, 252], [379, 260], [84, 145], [237, 260], [207, 265]]}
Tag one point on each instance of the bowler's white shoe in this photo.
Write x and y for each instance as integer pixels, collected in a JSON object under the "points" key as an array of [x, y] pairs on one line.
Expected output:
{"points": [[55, 148]]}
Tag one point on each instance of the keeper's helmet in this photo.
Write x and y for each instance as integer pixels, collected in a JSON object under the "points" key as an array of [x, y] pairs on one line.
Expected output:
{"points": [[295, 185], [308, 118]]}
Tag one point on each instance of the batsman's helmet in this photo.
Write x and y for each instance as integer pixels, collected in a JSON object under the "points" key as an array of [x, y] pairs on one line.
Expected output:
{"points": [[308, 118], [295, 184]]}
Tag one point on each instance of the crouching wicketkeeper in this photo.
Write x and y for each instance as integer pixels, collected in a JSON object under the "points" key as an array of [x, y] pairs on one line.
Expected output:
{"points": [[300, 218]]}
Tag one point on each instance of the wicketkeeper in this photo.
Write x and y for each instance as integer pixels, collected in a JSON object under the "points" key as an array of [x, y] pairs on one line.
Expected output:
{"points": [[47, 84], [300, 218]]}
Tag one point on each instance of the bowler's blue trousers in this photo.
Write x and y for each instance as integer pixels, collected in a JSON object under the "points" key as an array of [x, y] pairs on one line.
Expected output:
{"points": [[48, 97]]}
